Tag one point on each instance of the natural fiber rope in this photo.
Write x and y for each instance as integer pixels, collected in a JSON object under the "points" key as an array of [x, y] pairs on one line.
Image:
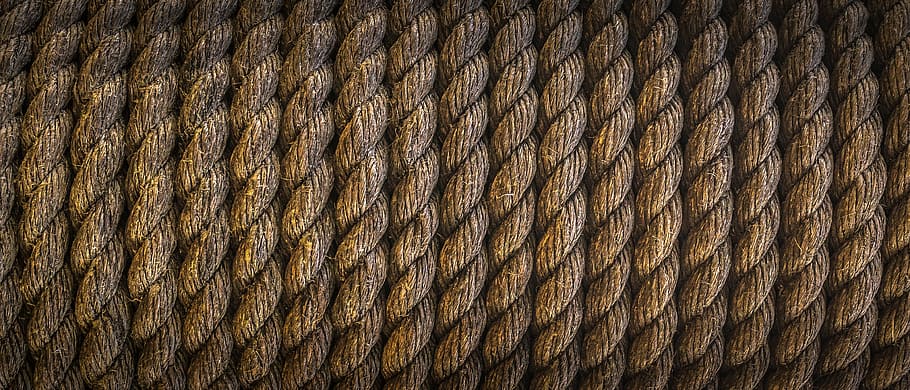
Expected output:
{"points": [[150, 228], [414, 217], [756, 210], [510, 198], [362, 215], [204, 285], [18, 23], [610, 174], [657, 201], [806, 209], [464, 164], [308, 224], [96, 201]]}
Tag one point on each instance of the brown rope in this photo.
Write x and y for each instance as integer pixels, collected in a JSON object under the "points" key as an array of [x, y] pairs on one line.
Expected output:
{"points": [[657, 201], [858, 221], [204, 285], [461, 315], [890, 361], [150, 235], [96, 199], [805, 210], [611, 217], [510, 196], [410, 309], [306, 81], [708, 208], [756, 217], [362, 215], [16, 39]]}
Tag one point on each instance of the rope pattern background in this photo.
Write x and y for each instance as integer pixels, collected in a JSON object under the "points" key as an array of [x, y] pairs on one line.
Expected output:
{"points": [[455, 194]]}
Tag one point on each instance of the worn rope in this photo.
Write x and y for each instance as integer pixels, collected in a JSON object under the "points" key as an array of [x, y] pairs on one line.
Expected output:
{"points": [[610, 175], [308, 225], [805, 209], [658, 207], [254, 167], [414, 217], [510, 198], [362, 215], [756, 210], [96, 200], [707, 203], [858, 221], [204, 284], [890, 361], [150, 227], [18, 23]]}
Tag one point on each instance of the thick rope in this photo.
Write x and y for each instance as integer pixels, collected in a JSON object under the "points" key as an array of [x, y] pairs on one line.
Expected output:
{"points": [[414, 217], [150, 228], [658, 207], [204, 285], [308, 225], [96, 199], [805, 209], [611, 218]]}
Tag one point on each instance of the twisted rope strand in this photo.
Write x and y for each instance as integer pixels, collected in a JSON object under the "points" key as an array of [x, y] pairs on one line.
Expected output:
{"points": [[707, 165], [414, 160], [255, 119], [16, 39], [150, 227], [510, 198], [308, 227], [362, 215], [611, 217], [805, 210], [461, 316], [890, 361], [658, 207], [96, 198], [562, 159], [204, 285], [756, 211], [858, 221]]}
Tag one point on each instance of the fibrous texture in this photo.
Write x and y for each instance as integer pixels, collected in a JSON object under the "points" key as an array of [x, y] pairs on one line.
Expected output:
{"points": [[204, 283], [610, 175], [414, 217], [805, 209], [255, 116], [96, 200], [561, 160], [658, 207], [858, 221], [756, 210], [464, 165], [361, 209], [307, 222], [707, 204], [151, 237], [890, 362], [510, 197]]}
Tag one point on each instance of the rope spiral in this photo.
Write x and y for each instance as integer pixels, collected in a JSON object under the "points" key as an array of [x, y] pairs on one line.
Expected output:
{"points": [[414, 218], [756, 210], [610, 176], [362, 215], [658, 207], [510, 198], [204, 284], [96, 198], [150, 227], [806, 209], [307, 221]]}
